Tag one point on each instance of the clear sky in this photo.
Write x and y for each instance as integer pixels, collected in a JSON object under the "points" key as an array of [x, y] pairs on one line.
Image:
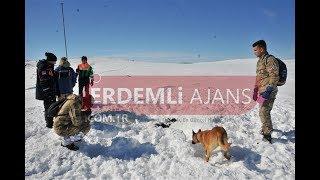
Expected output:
{"points": [[159, 30]]}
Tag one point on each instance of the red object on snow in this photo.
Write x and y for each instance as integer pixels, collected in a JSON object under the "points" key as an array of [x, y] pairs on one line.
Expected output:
{"points": [[87, 102]]}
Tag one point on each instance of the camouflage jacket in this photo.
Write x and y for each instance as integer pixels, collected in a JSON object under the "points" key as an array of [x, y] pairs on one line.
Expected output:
{"points": [[70, 112], [267, 73]]}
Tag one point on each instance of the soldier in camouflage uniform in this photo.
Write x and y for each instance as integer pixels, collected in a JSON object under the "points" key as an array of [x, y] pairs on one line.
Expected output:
{"points": [[266, 85], [71, 123]]}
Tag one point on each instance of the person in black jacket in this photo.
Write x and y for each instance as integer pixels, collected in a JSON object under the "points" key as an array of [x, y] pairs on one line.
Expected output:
{"points": [[46, 89]]}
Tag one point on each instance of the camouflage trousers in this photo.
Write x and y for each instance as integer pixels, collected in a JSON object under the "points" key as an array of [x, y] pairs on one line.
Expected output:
{"points": [[265, 116], [71, 130]]}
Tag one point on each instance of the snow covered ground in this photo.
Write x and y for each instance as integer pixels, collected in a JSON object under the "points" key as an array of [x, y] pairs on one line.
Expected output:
{"points": [[140, 150]]}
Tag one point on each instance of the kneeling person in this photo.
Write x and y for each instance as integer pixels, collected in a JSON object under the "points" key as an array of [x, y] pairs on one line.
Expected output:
{"points": [[71, 123]]}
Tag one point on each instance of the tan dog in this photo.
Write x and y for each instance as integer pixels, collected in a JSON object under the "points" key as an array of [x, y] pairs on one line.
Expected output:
{"points": [[211, 139]]}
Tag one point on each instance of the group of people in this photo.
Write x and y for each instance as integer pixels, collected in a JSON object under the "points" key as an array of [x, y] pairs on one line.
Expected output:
{"points": [[72, 121], [56, 85]]}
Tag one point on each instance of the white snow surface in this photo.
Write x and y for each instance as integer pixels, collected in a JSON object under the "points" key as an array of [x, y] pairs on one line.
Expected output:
{"points": [[140, 150]]}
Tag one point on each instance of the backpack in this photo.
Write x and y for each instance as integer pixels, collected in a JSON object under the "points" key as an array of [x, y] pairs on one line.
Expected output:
{"points": [[55, 107], [282, 71]]}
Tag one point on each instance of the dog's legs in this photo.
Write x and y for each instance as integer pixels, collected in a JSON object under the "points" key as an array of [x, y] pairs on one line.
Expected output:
{"points": [[226, 155], [209, 152], [205, 153], [206, 158], [225, 149], [225, 146]]}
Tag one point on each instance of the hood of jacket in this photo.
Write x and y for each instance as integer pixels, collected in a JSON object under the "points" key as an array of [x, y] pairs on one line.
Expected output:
{"points": [[64, 64]]}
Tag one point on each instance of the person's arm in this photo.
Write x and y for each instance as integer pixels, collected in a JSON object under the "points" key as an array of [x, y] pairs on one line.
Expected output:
{"points": [[56, 83], [256, 87], [91, 75], [90, 72], [73, 77], [75, 114], [47, 81], [44, 75], [272, 68], [77, 70]]}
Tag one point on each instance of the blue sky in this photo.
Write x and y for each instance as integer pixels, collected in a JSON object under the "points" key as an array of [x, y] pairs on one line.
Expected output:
{"points": [[159, 30]]}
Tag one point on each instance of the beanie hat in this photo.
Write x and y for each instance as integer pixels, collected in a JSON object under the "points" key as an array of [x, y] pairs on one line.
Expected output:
{"points": [[84, 57], [50, 56]]}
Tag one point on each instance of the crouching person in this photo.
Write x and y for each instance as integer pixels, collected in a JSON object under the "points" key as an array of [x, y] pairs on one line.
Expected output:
{"points": [[71, 123]]}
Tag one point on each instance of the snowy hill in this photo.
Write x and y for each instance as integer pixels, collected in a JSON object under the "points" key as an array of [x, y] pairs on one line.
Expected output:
{"points": [[140, 150]]}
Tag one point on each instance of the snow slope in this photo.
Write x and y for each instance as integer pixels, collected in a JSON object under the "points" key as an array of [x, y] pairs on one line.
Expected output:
{"points": [[139, 150]]}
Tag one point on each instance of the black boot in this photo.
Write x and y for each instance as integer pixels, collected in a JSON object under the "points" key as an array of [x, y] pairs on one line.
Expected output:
{"points": [[267, 137], [49, 122], [49, 126], [71, 146], [47, 102]]}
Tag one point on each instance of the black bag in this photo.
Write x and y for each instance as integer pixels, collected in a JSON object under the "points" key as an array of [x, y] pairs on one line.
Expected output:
{"points": [[282, 71], [55, 107]]}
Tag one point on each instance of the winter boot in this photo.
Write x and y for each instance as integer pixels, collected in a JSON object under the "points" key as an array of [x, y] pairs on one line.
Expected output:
{"points": [[267, 137], [77, 138], [68, 143], [71, 146], [49, 122]]}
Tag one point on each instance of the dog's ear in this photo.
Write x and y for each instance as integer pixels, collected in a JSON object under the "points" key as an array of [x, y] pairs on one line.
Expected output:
{"points": [[199, 130], [193, 132]]}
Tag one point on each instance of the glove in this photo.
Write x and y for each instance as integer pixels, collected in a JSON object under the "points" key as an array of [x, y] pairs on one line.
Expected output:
{"points": [[91, 81], [261, 100], [267, 92], [255, 94]]}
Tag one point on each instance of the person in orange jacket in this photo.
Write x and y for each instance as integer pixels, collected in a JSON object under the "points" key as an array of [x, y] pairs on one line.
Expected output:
{"points": [[85, 78]]}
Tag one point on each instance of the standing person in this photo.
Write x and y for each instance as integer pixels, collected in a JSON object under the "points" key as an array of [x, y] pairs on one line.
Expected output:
{"points": [[85, 73], [266, 89], [66, 78], [46, 89]]}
